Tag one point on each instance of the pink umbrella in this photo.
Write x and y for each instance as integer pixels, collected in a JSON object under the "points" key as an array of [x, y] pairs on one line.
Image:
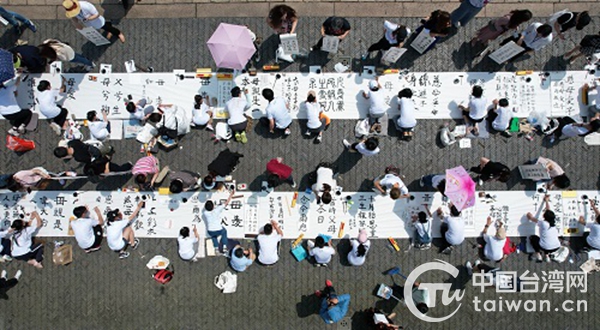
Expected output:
{"points": [[231, 46], [460, 188]]}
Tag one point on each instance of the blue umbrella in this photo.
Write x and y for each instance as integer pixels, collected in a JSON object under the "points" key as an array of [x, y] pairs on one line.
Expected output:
{"points": [[7, 70]]}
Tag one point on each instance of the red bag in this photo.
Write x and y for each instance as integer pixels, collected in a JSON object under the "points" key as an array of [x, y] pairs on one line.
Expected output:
{"points": [[163, 276], [19, 145]]}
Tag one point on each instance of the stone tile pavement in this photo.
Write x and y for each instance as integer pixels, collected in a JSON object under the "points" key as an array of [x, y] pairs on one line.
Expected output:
{"points": [[99, 291]]}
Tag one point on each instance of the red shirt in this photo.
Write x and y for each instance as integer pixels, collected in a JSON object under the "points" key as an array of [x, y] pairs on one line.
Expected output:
{"points": [[274, 167]]}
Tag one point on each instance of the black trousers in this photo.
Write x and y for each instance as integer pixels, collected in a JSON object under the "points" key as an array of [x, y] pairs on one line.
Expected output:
{"points": [[535, 243], [20, 118], [62, 117], [382, 44], [562, 122], [37, 253], [108, 27]]}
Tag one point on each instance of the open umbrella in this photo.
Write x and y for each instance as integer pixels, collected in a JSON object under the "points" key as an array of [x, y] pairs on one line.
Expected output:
{"points": [[231, 46], [7, 69], [460, 188]]}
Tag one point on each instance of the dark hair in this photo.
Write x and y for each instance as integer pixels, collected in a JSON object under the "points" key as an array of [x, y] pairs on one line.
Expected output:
{"points": [[517, 17], [130, 107], [454, 211], [176, 186], [400, 33], [477, 91], [422, 307], [273, 180], [140, 178], [361, 250], [61, 152], [197, 101], [320, 241], [326, 197], [112, 215], [184, 232], [311, 98], [236, 91], [47, 52], [372, 143], [504, 174], [267, 93], [91, 115], [503, 102], [43, 85], [583, 19], [18, 225], [598, 218], [155, 117], [91, 169], [442, 187], [208, 180], [594, 126], [545, 30], [561, 181], [407, 93], [239, 252], [13, 185], [209, 205], [268, 229], [442, 19], [550, 217], [79, 211], [276, 14], [422, 217], [395, 193]]}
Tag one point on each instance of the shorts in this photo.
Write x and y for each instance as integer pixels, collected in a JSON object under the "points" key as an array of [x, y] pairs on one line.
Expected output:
{"points": [[467, 114], [97, 237]]}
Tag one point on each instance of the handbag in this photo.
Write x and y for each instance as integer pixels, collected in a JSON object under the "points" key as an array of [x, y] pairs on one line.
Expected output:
{"points": [[560, 255], [362, 128], [226, 281], [19, 145], [168, 132]]}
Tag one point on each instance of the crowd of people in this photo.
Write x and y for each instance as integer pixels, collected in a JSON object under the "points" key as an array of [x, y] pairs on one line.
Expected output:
{"points": [[95, 155]]}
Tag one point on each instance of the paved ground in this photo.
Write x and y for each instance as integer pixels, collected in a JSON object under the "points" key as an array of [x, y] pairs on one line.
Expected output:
{"points": [[102, 292]]}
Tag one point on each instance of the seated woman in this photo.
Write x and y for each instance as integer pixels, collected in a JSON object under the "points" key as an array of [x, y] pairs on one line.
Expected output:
{"points": [[548, 241], [422, 223], [23, 247], [593, 237], [437, 25], [406, 120], [360, 247], [568, 127], [36, 178], [187, 245], [10, 109], [490, 171], [380, 320], [317, 120], [325, 183], [558, 178], [201, 114], [119, 233]]}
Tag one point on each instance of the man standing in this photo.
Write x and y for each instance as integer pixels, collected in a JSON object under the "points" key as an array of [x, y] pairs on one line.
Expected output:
{"points": [[466, 11], [84, 14], [278, 112], [268, 243], [88, 231]]}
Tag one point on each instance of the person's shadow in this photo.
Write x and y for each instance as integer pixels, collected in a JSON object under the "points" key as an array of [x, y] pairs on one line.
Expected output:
{"points": [[308, 305], [346, 161], [115, 10]]}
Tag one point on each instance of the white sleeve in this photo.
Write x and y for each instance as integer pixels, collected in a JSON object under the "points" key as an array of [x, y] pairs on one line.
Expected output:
{"points": [[390, 26]]}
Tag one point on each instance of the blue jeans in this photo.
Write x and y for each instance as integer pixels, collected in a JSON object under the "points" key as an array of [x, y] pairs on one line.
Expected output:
{"points": [[82, 60], [464, 13], [14, 18], [214, 234], [428, 181], [421, 240]]}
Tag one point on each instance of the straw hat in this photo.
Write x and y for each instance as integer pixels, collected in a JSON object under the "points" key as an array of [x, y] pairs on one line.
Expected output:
{"points": [[501, 233], [72, 8]]}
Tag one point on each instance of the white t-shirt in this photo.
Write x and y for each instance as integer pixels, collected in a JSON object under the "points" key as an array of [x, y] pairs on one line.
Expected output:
{"points": [[362, 148], [423, 228], [532, 40], [267, 248], [477, 107], [503, 120], [142, 111], [594, 238], [556, 169], [437, 179], [278, 111], [456, 230], [548, 236], [98, 130], [22, 242], [312, 114], [213, 218], [87, 10], [83, 228], [200, 116], [389, 180], [47, 102], [322, 255], [353, 257], [493, 247], [407, 117], [389, 28], [377, 105], [571, 130], [324, 176], [236, 107], [186, 247], [8, 100], [114, 234], [598, 96]]}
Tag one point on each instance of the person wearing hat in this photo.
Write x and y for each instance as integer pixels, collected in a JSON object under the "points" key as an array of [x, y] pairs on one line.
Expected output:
{"points": [[393, 36], [333, 26], [377, 105], [360, 247], [84, 14], [493, 245], [119, 233]]}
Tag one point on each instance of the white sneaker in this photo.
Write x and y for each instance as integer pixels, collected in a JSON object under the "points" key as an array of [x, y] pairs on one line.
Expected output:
{"points": [[13, 131], [210, 127], [469, 268], [287, 131], [307, 133], [3, 275], [279, 54], [57, 129], [18, 274], [346, 143], [21, 129], [477, 262]]}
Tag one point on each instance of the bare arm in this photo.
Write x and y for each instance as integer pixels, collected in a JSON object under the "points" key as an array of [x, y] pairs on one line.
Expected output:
{"points": [[427, 209], [294, 23], [195, 231], [276, 227], [37, 217], [229, 198], [581, 220], [272, 126], [136, 212], [487, 225], [377, 184], [594, 207], [546, 200], [344, 35], [99, 214]]}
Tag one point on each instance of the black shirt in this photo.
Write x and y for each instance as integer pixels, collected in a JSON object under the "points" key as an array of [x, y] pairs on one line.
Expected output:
{"points": [[336, 26], [81, 151]]}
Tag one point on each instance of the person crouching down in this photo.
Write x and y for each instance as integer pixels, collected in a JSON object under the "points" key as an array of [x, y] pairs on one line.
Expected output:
{"points": [[119, 233]]}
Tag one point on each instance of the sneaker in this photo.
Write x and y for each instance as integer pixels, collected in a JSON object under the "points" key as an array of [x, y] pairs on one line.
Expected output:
{"points": [[238, 137], [6, 258], [538, 257], [142, 149], [62, 182], [328, 283], [506, 134], [426, 246], [88, 68], [447, 250], [136, 243], [280, 55], [421, 182], [225, 251], [287, 131], [547, 258], [3, 274], [92, 249], [32, 27], [13, 131], [318, 293], [469, 268], [243, 137], [307, 133], [293, 184], [18, 274], [317, 265], [480, 182], [364, 56], [123, 255], [57, 129], [477, 263], [552, 140], [346, 143], [319, 139], [21, 129], [210, 127]]}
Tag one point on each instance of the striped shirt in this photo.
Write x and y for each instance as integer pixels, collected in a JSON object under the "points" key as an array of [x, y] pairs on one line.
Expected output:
{"points": [[145, 165]]}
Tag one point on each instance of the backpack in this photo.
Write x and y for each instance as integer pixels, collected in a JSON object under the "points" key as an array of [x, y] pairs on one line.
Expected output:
{"points": [[163, 276], [168, 132]]}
